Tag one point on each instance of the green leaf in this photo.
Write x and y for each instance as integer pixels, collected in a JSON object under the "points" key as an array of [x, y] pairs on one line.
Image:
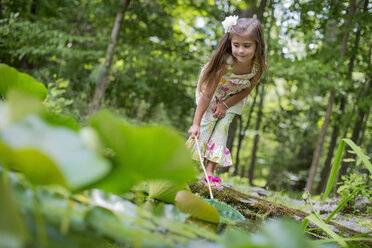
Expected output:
{"points": [[165, 190], [63, 157], [195, 206], [343, 203], [107, 223], [334, 170], [26, 160], [10, 78], [360, 154], [320, 223], [337, 162], [142, 153]]}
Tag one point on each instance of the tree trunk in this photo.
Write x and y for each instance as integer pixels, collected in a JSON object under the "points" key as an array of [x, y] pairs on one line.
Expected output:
{"points": [[256, 137], [260, 10], [242, 134], [357, 128], [336, 127], [247, 13], [362, 110], [303, 162], [318, 150], [327, 166], [104, 80], [364, 127], [230, 141], [319, 144]]}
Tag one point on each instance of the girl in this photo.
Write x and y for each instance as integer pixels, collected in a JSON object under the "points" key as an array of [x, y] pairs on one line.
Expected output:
{"points": [[224, 83]]}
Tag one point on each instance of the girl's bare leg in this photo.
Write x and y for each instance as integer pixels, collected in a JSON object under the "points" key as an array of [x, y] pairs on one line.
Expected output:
{"points": [[210, 171], [210, 168]]}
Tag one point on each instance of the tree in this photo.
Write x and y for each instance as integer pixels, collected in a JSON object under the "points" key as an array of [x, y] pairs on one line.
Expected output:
{"points": [[104, 78], [318, 150]]}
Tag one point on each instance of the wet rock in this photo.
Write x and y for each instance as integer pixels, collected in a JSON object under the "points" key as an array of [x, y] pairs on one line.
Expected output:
{"points": [[329, 206], [361, 203]]}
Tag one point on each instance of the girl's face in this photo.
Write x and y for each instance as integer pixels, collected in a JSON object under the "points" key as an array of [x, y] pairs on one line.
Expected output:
{"points": [[243, 48]]}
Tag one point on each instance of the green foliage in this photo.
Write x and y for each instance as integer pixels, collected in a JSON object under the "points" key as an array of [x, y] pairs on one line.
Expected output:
{"points": [[56, 101], [344, 202], [337, 161], [352, 182]]}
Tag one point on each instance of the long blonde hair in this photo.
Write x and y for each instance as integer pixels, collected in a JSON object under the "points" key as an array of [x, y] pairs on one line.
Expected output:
{"points": [[218, 61]]}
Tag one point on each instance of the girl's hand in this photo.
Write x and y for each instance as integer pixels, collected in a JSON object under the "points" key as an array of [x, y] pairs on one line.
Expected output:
{"points": [[219, 111], [194, 131]]}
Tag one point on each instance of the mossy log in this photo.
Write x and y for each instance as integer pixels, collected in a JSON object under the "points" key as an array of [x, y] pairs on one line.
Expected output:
{"points": [[253, 207]]}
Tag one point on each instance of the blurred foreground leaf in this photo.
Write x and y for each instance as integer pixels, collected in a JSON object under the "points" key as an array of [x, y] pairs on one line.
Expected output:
{"points": [[51, 155], [141, 153], [276, 233], [165, 190], [189, 203], [10, 78]]}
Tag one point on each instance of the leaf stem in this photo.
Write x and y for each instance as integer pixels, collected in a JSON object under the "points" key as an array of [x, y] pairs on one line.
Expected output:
{"points": [[40, 225]]}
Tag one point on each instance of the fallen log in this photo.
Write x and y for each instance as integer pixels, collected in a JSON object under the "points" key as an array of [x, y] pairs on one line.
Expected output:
{"points": [[257, 208]]}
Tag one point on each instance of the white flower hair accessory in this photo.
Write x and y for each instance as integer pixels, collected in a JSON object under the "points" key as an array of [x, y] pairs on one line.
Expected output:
{"points": [[229, 22]]}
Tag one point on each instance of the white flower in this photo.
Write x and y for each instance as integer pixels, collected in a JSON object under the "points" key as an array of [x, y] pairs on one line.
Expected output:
{"points": [[229, 22]]}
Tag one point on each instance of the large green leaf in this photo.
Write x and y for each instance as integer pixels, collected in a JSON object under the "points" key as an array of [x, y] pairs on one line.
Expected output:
{"points": [[107, 223], [10, 78], [26, 160], [194, 205], [142, 153], [51, 154]]}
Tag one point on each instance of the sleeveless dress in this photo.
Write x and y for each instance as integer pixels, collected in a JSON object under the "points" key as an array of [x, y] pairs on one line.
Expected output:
{"points": [[214, 131]]}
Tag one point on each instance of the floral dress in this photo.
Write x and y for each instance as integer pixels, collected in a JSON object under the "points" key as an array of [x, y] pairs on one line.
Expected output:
{"points": [[214, 131]]}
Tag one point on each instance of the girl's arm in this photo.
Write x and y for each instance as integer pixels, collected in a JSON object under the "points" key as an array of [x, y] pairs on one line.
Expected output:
{"points": [[203, 104], [220, 109]]}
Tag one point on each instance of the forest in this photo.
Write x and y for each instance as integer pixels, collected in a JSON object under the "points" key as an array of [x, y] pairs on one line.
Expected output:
{"points": [[96, 98]]}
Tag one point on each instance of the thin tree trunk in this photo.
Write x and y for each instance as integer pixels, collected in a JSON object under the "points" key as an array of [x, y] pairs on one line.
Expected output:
{"points": [[230, 140], [242, 134], [319, 144], [236, 167], [256, 137], [360, 142], [357, 128], [231, 133], [261, 10], [336, 128], [103, 81], [248, 13], [327, 166], [351, 64], [318, 150]]}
